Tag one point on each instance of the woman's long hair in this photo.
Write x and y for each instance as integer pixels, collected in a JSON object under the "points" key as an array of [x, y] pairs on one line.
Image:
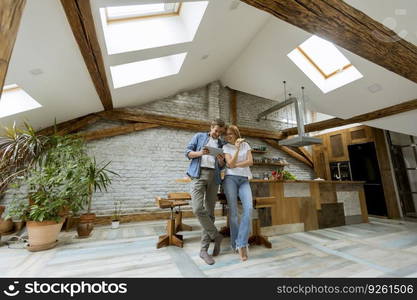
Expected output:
{"points": [[235, 131]]}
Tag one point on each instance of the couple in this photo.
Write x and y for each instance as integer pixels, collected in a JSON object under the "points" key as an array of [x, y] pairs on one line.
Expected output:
{"points": [[204, 171]]}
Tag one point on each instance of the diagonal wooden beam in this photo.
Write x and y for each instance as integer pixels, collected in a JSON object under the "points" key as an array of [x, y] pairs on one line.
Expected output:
{"points": [[336, 122], [70, 125], [306, 154], [80, 124], [81, 21], [117, 130], [10, 16], [342, 24], [289, 151]]}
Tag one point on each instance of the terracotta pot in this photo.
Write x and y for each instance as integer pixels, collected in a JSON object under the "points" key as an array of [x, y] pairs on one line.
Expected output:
{"points": [[18, 225], [87, 218], [6, 225], [2, 208], [63, 211], [86, 225], [43, 235]]}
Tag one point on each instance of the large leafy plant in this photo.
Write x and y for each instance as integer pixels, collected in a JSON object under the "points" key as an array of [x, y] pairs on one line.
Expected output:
{"points": [[53, 180]]}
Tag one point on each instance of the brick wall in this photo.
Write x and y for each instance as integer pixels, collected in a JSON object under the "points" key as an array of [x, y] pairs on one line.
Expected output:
{"points": [[149, 161]]}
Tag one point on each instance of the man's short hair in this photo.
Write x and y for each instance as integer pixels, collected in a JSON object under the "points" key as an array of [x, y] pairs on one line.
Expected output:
{"points": [[218, 122]]}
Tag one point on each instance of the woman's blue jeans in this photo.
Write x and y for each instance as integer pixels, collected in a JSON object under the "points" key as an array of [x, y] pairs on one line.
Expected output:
{"points": [[233, 187]]}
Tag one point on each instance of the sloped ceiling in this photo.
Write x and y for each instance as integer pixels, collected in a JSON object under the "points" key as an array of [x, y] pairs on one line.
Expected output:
{"points": [[246, 49], [263, 66], [65, 90]]}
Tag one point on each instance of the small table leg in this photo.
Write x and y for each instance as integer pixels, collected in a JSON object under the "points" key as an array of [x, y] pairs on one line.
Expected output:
{"points": [[225, 230], [170, 238], [179, 226]]}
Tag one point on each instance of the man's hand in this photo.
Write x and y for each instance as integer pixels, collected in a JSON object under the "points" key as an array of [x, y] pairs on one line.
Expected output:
{"points": [[204, 151]]}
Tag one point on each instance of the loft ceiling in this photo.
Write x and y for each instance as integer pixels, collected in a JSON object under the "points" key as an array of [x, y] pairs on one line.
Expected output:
{"points": [[250, 56]]}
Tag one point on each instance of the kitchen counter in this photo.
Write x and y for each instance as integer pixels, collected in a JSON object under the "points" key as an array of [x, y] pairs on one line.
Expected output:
{"points": [[309, 181], [313, 204]]}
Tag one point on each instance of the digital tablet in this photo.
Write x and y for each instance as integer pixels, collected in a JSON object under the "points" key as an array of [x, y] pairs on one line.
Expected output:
{"points": [[214, 151]]}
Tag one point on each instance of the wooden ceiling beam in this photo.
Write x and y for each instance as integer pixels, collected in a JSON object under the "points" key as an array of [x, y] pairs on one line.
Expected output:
{"points": [[306, 154], [233, 107], [290, 152], [181, 123], [81, 21], [10, 15], [70, 126], [336, 122], [117, 130], [342, 24]]}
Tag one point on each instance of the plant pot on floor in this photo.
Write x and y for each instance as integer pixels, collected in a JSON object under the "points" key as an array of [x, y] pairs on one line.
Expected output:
{"points": [[18, 225], [85, 225], [43, 235], [6, 226], [115, 224]]}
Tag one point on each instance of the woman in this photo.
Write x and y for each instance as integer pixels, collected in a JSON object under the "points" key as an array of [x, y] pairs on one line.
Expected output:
{"points": [[236, 183]]}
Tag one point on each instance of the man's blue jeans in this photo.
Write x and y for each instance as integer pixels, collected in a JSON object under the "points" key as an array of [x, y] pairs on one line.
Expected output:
{"points": [[234, 186]]}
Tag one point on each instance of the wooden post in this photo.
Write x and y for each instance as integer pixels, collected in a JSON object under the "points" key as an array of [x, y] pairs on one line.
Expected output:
{"points": [[10, 16], [81, 21], [233, 107]]}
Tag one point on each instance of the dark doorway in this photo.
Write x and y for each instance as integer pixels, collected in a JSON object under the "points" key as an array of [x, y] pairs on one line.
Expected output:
{"points": [[364, 166]]}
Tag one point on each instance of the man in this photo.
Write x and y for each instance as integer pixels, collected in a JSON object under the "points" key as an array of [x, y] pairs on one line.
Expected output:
{"points": [[204, 171]]}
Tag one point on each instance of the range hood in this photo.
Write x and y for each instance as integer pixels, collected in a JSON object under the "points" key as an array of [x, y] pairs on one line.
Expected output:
{"points": [[302, 139]]}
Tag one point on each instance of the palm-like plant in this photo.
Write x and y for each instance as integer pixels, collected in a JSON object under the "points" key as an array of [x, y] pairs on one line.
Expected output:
{"points": [[19, 150], [97, 179]]}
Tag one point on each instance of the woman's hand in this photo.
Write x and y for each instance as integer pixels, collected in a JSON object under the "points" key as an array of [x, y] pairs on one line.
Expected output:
{"points": [[238, 143]]}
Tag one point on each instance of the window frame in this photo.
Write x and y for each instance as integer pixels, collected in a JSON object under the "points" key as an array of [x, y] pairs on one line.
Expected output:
{"points": [[132, 18], [317, 67]]}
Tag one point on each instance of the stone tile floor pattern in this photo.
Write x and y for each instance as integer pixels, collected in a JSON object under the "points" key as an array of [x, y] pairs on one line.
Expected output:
{"points": [[380, 248]]}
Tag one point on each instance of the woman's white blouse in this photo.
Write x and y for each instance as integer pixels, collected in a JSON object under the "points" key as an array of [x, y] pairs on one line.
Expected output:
{"points": [[243, 155]]}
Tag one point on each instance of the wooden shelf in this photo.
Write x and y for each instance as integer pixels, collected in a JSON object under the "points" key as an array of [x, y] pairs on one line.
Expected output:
{"points": [[259, 151], [270, 164]]}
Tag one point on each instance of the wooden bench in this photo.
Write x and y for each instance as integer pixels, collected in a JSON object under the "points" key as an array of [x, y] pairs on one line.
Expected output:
{"points": [[170, 238], [257, 238]]}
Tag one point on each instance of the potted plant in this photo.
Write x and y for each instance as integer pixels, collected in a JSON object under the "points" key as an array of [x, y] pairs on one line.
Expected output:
{"points": [[6, 224], [20, 149], [47, 182], [97, 178], [115, 222]]}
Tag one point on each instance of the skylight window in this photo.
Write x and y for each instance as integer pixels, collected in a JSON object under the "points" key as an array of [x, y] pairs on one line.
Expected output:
{"points": [[149, 26], [127, 12], [324, 64], [145, 70], [15, 100]]}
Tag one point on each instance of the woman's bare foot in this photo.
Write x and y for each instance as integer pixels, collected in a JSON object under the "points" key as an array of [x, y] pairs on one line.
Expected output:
{"points": [[243, 254]]}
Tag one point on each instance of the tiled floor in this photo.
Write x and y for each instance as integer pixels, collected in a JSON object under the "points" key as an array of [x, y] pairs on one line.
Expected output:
{"points": [[381, 248]]}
